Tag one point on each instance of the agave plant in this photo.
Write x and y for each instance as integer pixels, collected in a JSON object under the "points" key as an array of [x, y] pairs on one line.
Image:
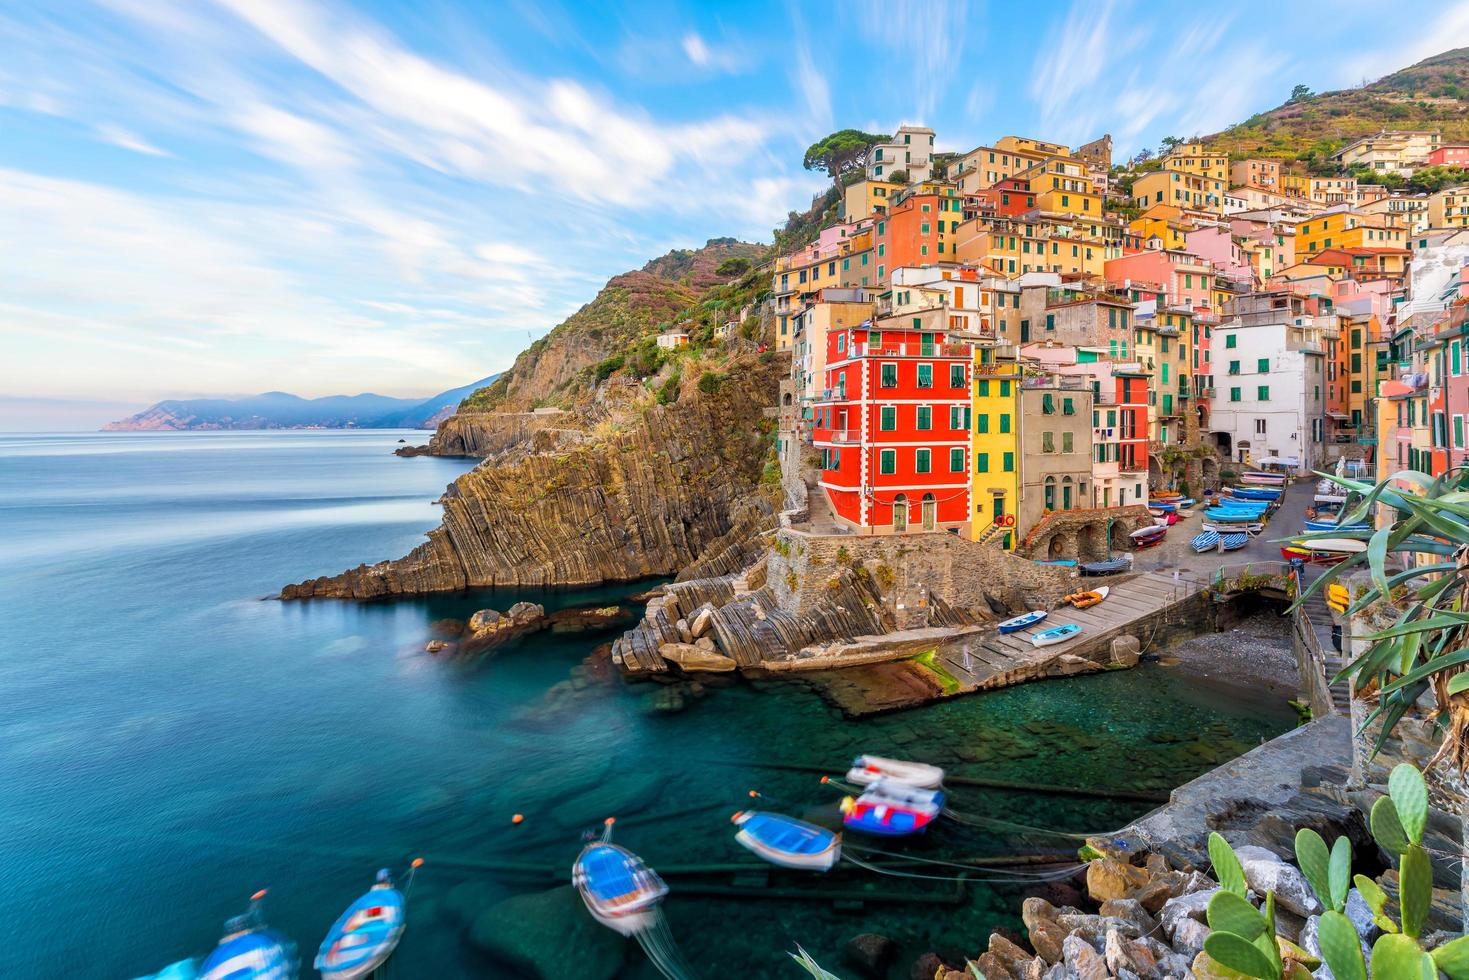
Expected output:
{"points": [[1427, 647]]}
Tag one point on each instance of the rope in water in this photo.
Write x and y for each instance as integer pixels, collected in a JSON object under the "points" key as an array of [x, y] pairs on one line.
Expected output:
{"points": [[1056, 876], [1070, 869], [662, 951]]}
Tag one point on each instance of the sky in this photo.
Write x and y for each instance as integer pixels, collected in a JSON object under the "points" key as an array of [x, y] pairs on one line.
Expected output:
{"points": [[221, 197]]}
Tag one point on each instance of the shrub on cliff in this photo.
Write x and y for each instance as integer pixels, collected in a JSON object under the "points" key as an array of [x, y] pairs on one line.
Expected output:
{"points": [[710, 381], [606, 366], [668, 391], [736, 266]]}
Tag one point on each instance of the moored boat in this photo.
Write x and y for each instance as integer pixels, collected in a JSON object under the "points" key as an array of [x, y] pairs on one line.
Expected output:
{"points": [[892, 810], [1085, 600], [1312, 557], [1204, 541], [1108, 566], [1331, 525], [1017, 623], [619, 890], [868, 769], [1146, 537], [249, 950], [788, 842], [366, 933], [1263, 479], [1234, 541], [1056, 634], [1267, 494]]}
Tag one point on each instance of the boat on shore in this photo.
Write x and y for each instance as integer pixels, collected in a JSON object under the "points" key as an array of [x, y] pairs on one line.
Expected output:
{"points": [[786, 841], [1234, 541], [1107, 566], [250, 950], [1056, 634], [1328, 525], [1204, 541], [618, 889], [1262, 479], [866, 769], [1085, 600], [1232, 527], [1147, 537], [366, 934], [1018, 623]]}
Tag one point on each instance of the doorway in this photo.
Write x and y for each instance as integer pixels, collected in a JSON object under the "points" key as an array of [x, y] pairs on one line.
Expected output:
{"points": [[930, 512], [900, 513]]}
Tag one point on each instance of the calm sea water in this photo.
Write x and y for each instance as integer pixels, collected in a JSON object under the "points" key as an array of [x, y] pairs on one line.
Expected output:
{"points": [[171, 740]]}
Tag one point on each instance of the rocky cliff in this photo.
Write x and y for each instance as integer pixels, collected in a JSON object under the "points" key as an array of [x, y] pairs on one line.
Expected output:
{"points": [[644, 493]]}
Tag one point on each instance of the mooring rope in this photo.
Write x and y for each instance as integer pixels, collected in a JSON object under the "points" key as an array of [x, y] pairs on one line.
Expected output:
{"points": [[1054, 876]]}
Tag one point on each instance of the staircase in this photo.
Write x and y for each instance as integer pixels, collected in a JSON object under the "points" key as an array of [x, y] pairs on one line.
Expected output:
{"points": [[992, 533]]}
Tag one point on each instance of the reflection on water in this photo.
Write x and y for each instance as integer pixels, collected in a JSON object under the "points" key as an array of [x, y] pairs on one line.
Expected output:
{"points": [[169, 743]]}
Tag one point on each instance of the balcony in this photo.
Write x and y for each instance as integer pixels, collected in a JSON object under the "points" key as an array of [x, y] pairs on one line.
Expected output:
{"points": [[913, 349], [848, 437]]}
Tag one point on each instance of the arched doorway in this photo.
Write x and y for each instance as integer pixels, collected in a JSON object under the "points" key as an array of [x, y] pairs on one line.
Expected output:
{"points": [[900, 513], [930, 512], [785, 399], [1056, 549], [1086, 542], [1242, 451], [1066, 492], [1117, 538]]}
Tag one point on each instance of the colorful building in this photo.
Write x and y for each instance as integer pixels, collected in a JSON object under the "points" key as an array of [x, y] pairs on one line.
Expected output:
{"points": [[995, 448]]}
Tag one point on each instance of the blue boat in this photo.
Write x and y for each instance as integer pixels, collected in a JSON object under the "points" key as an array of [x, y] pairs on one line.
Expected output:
{"points": [[1333, 526], [1256, 493], [1233, 514], [1108, 566], [1056, 634], [618, 889], [250, 950], [892, 810], [788, 842], [1233, 542], [366, 934], [1206, 541], [1022, 621]]}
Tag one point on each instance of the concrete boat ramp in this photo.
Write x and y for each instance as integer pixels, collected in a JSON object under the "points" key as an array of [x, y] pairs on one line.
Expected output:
{"points": [[1151, 608]]}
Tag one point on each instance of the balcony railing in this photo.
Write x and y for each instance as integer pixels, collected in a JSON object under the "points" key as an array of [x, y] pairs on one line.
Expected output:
{"points": [[913, 349], [847, 437]]}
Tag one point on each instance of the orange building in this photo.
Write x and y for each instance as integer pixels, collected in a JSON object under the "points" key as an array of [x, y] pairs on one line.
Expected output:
{"points": [[918, 231]]}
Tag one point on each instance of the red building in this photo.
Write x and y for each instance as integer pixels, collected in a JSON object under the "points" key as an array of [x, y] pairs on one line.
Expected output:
{"points": [[1132, 423], [1010, 198], [893, 428], [1449, 156]]}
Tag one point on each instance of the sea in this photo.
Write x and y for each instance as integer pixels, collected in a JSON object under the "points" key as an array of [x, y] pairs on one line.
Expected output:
{"points": [[173, 739]]}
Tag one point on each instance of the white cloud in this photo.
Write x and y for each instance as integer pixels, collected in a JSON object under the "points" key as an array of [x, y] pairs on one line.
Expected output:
{"points": [[696, 49], [293, 139], [128, 140]]}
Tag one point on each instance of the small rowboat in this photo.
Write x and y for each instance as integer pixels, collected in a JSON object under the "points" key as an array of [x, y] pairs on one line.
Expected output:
{"points": [[1160, 507], [892, 810], [251, 951], [1235, 541], [1233, 527], [1085, 600], [1264, 479], [619, 890], [1109, 566], [1146, 537], [1056, 634], [788, 842], [1022, 621], [1205, 541], [867, 769], [1269, 494], [1327, 525], [1312, 557], [365, 935]]}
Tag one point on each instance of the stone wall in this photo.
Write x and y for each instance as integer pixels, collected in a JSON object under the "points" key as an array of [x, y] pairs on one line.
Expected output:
{"points": [[1082, 534]]}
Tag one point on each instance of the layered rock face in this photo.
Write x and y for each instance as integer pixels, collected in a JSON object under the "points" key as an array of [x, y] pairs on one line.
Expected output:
{"points": [[644, 497]]}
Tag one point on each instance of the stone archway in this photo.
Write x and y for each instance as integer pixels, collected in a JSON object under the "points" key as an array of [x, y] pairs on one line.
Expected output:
{"points": [[1209, 471], [1056, 548], [785, 399], [1117, 537], [1087, 541]]}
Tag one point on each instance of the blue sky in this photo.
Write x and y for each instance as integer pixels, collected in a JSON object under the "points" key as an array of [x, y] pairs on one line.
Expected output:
{"points": [[229, 196]]}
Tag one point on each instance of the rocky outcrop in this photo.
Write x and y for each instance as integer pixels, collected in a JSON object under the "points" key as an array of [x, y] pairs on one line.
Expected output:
{"points": [[489, 629], [645, 497], [481, 434]]}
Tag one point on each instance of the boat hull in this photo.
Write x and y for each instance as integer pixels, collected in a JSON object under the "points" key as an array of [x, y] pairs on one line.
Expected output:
{"points": [[618, 889], [1019, 623], [1057, 634], [788, 842], [363, 937], [868, 769]]}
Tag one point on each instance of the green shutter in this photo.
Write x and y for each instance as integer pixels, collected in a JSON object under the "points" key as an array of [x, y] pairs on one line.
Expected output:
{"points": [[888, 462], [981, 422], [1004, 422], [981, 462], [1009, 462]]}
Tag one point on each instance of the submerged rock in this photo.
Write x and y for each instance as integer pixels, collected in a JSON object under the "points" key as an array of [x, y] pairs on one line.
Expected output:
{"points": [[870, 954], [549, 935], [490, 630]]}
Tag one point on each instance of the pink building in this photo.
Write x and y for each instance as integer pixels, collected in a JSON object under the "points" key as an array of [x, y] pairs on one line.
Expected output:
{"points": [[1449, 156], [1218, 247], [1185, 277]]}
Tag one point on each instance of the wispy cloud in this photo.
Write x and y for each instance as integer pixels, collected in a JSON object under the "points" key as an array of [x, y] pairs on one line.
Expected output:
{"points": [[128, 140]]}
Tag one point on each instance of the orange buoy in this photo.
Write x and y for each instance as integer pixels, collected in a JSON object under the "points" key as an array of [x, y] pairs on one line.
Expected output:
{"points": [[517, 818], [610, 821], [824, 780], [418, 862]]}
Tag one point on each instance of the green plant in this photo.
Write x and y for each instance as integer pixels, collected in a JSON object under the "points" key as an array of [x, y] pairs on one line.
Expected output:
{"points": [[843, 555], [1243, 937], [668, 391]]}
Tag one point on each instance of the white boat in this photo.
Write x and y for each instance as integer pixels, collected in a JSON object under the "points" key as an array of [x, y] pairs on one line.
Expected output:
{"points": [[1254, 528], [1056, 634], [1349, 546], [786, 841], [870, 768]]}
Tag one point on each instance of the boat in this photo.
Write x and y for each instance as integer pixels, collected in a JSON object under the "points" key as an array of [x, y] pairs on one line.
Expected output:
{"points": [[366, 933], [1056, 634], [1204, 541], [1260, 479], [1234, 541], [1085, 600], [870, 768], [788, 842], [892, 810], [1229, 516], [1161, 507], [1020, 622], [1268, 494], [1232, 527], [1347, 546], [618, 889], [1108, 566], [1146, 537], [1312, 557], [1325, 525], [249, 950]]}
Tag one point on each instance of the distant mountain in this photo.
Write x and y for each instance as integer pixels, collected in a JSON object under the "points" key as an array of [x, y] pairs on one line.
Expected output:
{"points": [[280, 410], [1433, 94]]}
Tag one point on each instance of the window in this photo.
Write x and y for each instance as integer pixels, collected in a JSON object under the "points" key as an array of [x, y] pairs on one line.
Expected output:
{"points": [[1263, 365], [1234, 367], [1234, 394], [1050, 493], [1263, 393], [1009, 462], [1048, 442], [1005, 390], [1004, 422], [956, 461], [1458, 432], [1048, 404], [981, 462], [1050, 321], [981, 423], [956, 375], [887, 461], [959, 418], [1229, 340], [887, 418], [1066, 442], [1259, 427], [921, 460], [1068, 407], [925, 375], [889, 377], [925, 418]]}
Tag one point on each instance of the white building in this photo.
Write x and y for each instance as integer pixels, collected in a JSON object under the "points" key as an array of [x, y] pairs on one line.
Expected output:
{"points": [[910, 151], [1268, 404]]}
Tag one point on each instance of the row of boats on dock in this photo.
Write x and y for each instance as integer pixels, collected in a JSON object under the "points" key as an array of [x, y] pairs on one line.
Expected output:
{"points": [[1325, 516], [360, 941]]}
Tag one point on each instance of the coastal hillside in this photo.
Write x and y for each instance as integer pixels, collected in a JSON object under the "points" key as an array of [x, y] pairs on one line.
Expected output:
{"points": [[281, 410], [1433, 94]]}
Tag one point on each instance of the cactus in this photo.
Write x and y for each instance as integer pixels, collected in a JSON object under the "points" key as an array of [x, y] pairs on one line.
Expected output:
{"points": [[1341, 947], [1376, 900], [1226, 866], [1242, 937], [1329, 873]]}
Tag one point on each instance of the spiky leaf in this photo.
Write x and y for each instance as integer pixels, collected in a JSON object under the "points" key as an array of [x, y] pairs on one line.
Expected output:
{"points": [[1226, 866], [1228, 912], [1410, 796], [1415, 875], [1396, 957], [1240, 955], [1377, 557], [1459, 683], [1339, 873], [1341, 947], [1315, 862], [1453, 958], [1387, 828]]}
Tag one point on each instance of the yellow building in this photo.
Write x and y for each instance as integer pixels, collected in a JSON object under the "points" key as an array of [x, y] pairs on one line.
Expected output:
{"points": [[1449, 208], [866, 198], [1063, 186], [995, 448], [1346, 229], [1014, 247], [1295, 185], [1196, 159], [1180, 189], [986, 166], [1161, 221]]}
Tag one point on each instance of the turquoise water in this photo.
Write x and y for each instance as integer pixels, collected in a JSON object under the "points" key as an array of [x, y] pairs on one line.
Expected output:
{"points": [[170, 741]]}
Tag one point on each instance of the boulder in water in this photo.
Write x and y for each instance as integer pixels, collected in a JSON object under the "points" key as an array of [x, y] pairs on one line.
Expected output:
{"points": [[489, 629], [695, 659], [550, 936]]}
